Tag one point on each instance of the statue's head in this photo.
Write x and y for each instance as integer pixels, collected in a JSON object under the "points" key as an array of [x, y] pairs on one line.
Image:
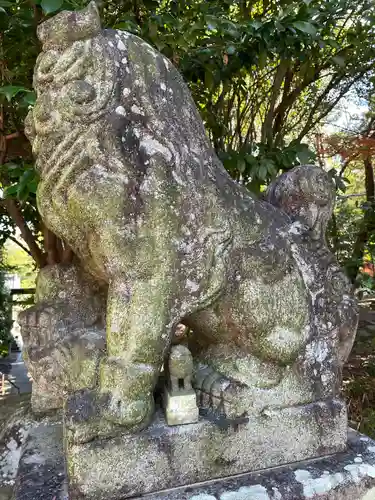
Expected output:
{"points": [[68, 27], [107, 90], [306, 193], [73, 79]]}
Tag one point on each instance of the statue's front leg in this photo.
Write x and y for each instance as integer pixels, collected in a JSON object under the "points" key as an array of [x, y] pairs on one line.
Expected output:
{"points": [[139, 332]]}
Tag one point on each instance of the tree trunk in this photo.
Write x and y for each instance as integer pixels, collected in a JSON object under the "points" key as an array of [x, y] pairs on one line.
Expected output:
{"points": [[368, 222]]}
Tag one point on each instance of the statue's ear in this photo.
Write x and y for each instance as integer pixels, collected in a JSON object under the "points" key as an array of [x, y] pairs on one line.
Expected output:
{"points": [[67, 27]]}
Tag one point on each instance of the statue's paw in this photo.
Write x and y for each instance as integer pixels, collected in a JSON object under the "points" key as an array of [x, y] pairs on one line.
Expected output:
{"points": [[90, 414], [85, 417], [131, 414]]}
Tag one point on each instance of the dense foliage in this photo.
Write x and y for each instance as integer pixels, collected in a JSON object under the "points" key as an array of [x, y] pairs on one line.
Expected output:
{"points": [[263, 74]]}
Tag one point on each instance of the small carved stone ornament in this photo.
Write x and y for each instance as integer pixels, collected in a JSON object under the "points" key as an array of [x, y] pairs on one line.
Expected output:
{"points": [[180, 398]]}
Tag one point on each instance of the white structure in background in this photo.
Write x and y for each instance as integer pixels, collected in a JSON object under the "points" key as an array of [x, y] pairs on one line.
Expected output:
{"points": [[14, 281]]}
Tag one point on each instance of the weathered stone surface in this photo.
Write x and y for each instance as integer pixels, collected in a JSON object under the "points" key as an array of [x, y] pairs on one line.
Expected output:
{"points": [[163, 457], [41, 473], [63, 335], [130, 181], [342, 476], [15, 423], [348, 475]]}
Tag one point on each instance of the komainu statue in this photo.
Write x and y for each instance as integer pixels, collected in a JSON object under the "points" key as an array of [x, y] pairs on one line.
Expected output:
{"points": [[130, 181]]}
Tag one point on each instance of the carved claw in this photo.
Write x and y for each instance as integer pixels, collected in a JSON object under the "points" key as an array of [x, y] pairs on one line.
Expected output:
{"points": [[220, 396]]}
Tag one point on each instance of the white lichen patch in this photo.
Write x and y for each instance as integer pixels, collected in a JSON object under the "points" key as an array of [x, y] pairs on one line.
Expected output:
{"points": [[120, 45], [358, 471], [163, 86], [124, 60], [321, 351], [110, 44], [256, 492], [202, 496], [135, 109], [126, 92], [276, 494], [319, 485], [326, 378], [120, 110], [152, 146], [192, 286], [167, 63], [371, 449], [10, 456]]}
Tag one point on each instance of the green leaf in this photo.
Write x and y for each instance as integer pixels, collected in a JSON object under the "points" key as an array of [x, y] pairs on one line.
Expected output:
{"points": [[10, 191], [30, 98], [231, 49], [333, 43], [241, 165], [33, 186], [340, 184], [209, 79], [250, 160], [305, 27], [12, 170], [12, 90], [127, 26], [304, 155], [262, 172], [5, 3], [262, 59], [340, 61], [50, 6], [256, 24]]}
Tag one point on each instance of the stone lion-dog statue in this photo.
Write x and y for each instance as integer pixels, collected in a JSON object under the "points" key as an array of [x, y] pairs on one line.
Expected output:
{"points": [[129, 180]]}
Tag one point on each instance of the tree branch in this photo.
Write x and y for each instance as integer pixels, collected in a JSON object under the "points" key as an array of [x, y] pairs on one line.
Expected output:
{"points": [[25, 249], [266, 134], [16, 214]]}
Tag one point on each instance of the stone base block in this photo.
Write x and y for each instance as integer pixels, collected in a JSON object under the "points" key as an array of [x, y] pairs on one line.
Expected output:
{"points": [[163, 457], [349, 475], [341, 476], [181, 407]]}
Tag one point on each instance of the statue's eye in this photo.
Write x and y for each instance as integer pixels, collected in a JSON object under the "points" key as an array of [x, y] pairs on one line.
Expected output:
{"points": [[81, 92]]}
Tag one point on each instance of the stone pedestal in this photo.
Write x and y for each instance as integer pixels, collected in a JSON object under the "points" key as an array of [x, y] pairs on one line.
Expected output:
{"points": [[181, 407], [162, 457], [341, 476], [347, 475]]}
